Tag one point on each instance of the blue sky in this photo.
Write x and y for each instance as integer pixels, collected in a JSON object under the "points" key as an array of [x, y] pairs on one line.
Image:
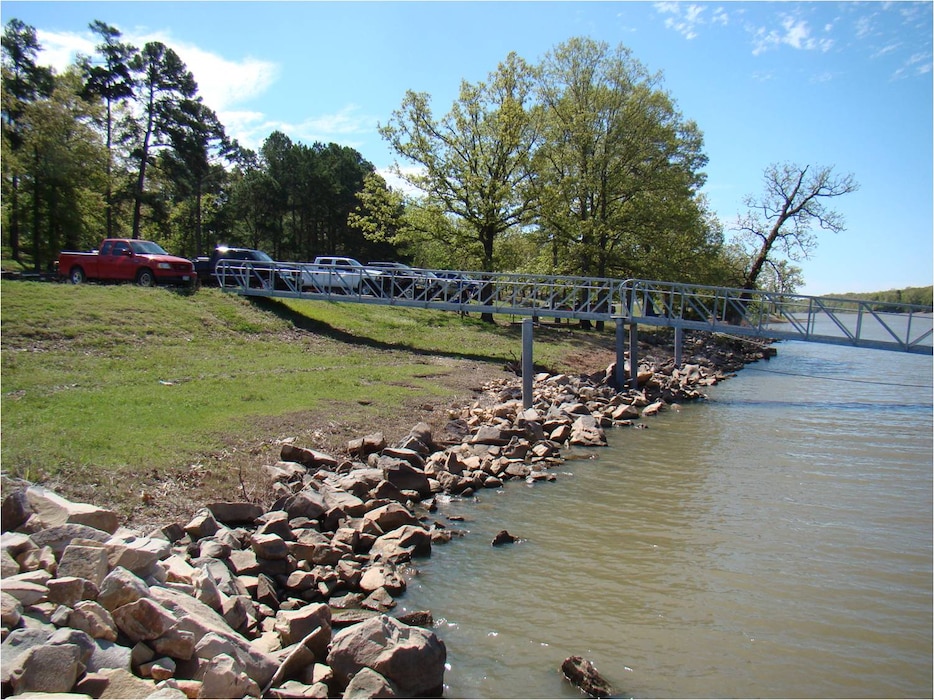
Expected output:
{"points": [[823, 83]]}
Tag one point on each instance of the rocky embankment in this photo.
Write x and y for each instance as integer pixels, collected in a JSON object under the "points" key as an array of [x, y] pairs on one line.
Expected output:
{"points": [[295, 598]]}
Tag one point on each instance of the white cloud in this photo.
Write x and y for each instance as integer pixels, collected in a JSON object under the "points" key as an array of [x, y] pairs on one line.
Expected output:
{"points": [[397, 182], [918, 64], [683, 18], [59, 49], [251, 128], [794, 32], [223, 83], [689, 18]]}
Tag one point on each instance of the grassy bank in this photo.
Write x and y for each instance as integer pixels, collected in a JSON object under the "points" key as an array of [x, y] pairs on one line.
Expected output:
{"points": [[133, 397]]}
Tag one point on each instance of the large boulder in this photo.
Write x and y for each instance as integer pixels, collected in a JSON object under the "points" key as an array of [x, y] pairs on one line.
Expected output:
{"points": [[49, 509], [411, 658]]}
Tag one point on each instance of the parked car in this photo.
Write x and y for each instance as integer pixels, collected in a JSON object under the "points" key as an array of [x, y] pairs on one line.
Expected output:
{"points": [[403, 280], [239, 267], [330, 273], [458, 286], [126, 260]]}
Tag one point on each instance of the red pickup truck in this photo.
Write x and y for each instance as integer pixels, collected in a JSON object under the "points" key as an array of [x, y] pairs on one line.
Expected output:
{"points": [[127, 260]]}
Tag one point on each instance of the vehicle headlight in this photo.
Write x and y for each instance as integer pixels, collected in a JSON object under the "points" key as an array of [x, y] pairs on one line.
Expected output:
{"points": [[164, 266]]}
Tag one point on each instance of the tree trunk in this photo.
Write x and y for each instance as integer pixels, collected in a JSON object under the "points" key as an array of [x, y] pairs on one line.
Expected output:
{"points": [[14, 220]]}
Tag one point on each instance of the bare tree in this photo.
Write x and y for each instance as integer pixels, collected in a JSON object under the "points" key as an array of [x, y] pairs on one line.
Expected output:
{"points": [[783, 218]]}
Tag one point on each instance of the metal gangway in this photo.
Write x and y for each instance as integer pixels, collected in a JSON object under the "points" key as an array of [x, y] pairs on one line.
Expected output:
{"points": [[628, 303]]}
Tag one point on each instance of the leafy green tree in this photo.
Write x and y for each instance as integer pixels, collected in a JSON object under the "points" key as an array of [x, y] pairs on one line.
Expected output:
{"points": [[23, 82], [781, 220], [163, 84], [256, 203], [278, 157], [619, 167], [109, 78], [198, 145], [473, 162], [67, 169]]}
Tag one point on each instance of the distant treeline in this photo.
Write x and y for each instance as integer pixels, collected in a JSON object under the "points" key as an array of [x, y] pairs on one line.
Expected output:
{"points": [[921, 296]]}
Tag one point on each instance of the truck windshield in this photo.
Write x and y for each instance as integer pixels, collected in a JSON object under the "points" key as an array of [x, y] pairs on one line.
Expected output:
{"points": [[147, 248]]}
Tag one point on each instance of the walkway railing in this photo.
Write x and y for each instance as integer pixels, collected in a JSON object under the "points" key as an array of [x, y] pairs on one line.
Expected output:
{"points": [[859, 323], [855, 322]]}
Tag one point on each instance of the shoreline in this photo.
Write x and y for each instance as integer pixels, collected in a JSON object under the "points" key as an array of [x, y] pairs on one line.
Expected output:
{"points": [[292, 592]]}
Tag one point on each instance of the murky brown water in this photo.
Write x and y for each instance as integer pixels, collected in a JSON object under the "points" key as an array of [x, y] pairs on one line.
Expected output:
{"points": [[773, 542]]}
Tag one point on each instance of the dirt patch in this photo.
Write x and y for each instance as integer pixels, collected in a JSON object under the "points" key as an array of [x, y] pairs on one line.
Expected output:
{"points": [[237, 471]]}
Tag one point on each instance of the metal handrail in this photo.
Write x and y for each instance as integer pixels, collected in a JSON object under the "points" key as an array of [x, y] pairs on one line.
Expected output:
{"points": [[756, 313], [856, 322]]}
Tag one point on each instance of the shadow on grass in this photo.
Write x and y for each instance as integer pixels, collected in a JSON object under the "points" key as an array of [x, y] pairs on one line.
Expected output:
{"points": [[582, 339]]}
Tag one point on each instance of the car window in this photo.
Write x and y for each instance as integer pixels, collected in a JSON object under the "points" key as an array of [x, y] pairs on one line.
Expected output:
{"points": [[147, 248], [105, 249], [120, 247]]}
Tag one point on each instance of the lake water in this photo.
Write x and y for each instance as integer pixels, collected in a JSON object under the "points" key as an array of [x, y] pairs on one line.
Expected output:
{"points": [[774, 541]]}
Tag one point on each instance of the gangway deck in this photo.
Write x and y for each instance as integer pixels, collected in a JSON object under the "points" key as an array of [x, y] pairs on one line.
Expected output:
{"points": [[628, 303]]}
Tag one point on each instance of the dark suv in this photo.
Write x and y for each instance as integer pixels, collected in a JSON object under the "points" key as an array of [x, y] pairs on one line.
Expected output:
{"points": [[258, 271]]}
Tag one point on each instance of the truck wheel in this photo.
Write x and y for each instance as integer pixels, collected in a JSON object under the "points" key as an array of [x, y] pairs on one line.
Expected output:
{"points": [[77, 276], [145, 278]]}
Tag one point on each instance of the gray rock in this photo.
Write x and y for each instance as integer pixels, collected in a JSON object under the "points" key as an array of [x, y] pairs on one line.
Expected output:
{"points": [[50, 509], [197, 618], [123, 685], [404, 476], [309, 458], [68, 590], [304, 504], [91, 617], [390, 516], [202, 524], [14, 511], [402, 543], [382, 575], [25, 591], [587, 432], [295, 625], [412, 658], [8, 565], [11, 610], [367, 683], [143, 619], [235, 513], [16, 646], [137, 554], [85, 562], [585, 676], [60, 536], [47, 668], [121, 587], [109, 655], [269, 546], [224, 677]]}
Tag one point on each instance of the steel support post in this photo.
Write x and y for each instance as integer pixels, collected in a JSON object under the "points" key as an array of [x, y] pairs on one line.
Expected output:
{"points": [[679, 337], [620, 376], [634, 355], [527, 365]]}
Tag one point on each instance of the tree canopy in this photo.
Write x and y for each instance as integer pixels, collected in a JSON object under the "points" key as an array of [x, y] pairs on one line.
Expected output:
{"points": [[578, 164]]}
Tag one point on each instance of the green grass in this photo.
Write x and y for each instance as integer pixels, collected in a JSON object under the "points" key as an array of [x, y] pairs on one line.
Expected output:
{"points": [[111, 383]]}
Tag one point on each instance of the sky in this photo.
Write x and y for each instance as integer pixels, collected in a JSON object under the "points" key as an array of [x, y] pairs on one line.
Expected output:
{"points": [[846, 85]]}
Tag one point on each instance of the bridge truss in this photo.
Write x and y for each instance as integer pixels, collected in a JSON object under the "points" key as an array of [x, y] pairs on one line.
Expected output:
{"points": [[629, 303]]}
